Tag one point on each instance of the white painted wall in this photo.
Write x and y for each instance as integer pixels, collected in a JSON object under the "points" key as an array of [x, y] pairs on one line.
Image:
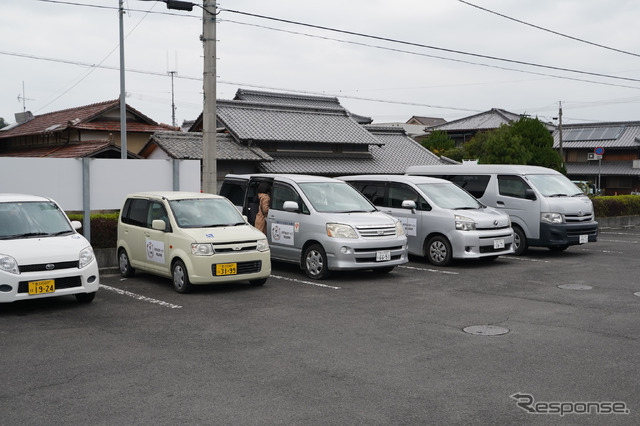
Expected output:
{"points": [[110, 179]]}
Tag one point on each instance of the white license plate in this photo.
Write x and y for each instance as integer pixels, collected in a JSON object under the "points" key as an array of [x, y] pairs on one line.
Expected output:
{"points": [[498, 244], [584, 239], [383, 255]]}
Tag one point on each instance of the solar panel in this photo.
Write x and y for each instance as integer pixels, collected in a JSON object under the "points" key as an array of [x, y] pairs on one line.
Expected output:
{"points": [[592, 133]]}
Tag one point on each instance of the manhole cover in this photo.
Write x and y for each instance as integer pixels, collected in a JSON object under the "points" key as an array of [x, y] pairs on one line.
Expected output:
{"points": [[575, 287], [485, 330]]}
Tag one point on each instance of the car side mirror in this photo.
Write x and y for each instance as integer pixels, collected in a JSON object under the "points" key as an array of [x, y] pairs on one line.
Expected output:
{"points": [[76, 224], [290, 206], [529, 194], [158, 225], [409, 204]]}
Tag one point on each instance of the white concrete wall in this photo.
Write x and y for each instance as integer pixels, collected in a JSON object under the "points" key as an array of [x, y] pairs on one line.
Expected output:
{"points": [[110, 179]]}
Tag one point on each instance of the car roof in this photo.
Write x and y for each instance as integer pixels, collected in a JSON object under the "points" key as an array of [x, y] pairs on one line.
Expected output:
{"points": [[10, 197], [480, 168], [173, 195], [298, 178], [396, 178]]}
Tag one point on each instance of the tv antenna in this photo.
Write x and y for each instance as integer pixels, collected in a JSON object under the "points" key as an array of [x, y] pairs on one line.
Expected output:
{"points": [[23, 99]]}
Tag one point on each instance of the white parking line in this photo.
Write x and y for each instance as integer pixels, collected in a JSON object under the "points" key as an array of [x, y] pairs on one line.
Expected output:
{"points": [[139, 297], [619, 241], [601, 251], [430, 270], [528, 259], [305, 282]]}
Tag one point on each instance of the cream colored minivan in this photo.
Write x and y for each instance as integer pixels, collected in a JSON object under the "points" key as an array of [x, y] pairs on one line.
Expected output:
{"points": [[192, 238]]}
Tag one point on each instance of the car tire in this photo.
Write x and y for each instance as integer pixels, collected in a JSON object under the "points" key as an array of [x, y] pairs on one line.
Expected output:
{"points": [[180, 277], [85, 297], [258, 283], [439, 251], [519, 241], [314, 262], [124, 264]]}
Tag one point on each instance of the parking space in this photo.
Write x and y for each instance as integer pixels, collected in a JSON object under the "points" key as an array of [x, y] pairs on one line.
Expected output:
{"points": [[473, 342]]}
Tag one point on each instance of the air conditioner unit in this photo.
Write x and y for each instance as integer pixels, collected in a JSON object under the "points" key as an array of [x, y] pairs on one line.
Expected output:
{"points": [[591, 156]]}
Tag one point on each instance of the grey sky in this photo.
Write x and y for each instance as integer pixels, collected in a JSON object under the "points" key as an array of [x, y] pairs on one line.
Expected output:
{"points": [[51, 45]]}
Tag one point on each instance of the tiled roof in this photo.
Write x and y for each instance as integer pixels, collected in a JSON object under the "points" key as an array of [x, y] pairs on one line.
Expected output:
{"points": [[184, 145], [628, 138], [75, 150], [398, 152], [86, 117], [609, 168], [427, 121], [487, 120], [308, 101], [250, 121]]}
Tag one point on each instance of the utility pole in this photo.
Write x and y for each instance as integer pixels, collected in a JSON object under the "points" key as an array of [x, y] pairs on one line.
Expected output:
{"points": [[560, 133], [209, 152], [173, 103], [123, 102]]}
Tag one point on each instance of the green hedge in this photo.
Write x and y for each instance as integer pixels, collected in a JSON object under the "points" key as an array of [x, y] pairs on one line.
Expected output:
{"points": [[616, 205], [104, 229]]}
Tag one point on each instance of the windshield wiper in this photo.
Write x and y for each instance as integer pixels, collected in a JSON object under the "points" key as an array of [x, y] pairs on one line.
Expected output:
{"points": [[557, 195], [31, 234]]}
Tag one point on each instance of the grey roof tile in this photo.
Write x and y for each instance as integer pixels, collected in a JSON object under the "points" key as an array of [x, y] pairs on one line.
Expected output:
{"points": [[609, 168], [629, 138], [184, 145], [250, 121]]}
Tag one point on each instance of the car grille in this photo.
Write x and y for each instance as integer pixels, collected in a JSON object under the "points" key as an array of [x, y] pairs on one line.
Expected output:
{"points": [[572, 218], [43, 266], [490, 249], [60, 283], [375, 231], [576, 231], [237, 247], [250, 267]]}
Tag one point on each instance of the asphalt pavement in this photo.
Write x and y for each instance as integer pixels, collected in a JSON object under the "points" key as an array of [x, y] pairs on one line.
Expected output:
{"points": [[546, 338]]}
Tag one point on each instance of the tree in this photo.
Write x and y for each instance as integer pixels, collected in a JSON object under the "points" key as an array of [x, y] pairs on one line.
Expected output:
{"points": [[3, 123], [438, 142], [538, 141]]}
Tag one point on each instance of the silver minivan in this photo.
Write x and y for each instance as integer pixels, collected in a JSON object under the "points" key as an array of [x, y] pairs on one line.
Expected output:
{"points": [[442, 221], [546, 208], [320, 223]]}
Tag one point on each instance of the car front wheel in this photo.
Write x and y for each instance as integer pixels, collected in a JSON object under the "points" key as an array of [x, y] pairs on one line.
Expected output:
{"points": [[439, 251], [180, 277], [315, 263], [124, 264]]}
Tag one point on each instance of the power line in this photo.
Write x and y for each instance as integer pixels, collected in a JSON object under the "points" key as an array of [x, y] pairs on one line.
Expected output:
{"points": [[425, 46], [551, 31]]}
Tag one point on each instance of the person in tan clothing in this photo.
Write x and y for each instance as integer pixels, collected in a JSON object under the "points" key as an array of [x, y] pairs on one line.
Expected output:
{"points": [[264, 197]]}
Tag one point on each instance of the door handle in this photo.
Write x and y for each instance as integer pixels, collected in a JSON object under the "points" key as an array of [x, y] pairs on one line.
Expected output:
{"points": [[500, 203]]}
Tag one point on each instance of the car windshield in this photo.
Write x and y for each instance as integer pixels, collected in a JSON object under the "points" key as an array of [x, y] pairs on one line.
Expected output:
{"points": [[335, 197], [32, 219], [205, 213], [554, 185], [449, 196]]}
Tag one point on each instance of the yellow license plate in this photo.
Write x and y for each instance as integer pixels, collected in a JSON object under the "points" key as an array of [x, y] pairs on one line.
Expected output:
{"points": [[40, 287], [226, 269]]}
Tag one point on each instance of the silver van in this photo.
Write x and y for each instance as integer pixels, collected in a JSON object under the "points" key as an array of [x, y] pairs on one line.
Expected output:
{"points": [[546, 208], [442, 221], [320, 223]]}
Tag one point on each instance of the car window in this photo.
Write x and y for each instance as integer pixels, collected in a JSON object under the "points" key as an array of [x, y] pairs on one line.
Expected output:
{"points": [[447, 195], [476, 185], [205, 213], [135, 212], [281, 193], [374, 191], [335, 197], [234, 191], [157, 212], [512, 186], [398, 192], [24, 219]]}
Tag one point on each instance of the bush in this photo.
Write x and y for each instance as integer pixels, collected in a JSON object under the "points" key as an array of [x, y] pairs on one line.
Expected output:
{"points": [[617, 205], [104, 229]]}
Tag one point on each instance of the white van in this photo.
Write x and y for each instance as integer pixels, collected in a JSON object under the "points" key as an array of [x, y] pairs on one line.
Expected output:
{"points": [[321, 224], [190, 237], [546, 209], [41, 252], [442, 221]]}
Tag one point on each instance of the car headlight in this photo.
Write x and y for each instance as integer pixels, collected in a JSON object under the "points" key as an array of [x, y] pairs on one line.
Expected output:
{"points": [[263, 245], [202, 249], [9, 264], [551, 217], [464, 223], [339, 230], [399, 228], [86, 257]]}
